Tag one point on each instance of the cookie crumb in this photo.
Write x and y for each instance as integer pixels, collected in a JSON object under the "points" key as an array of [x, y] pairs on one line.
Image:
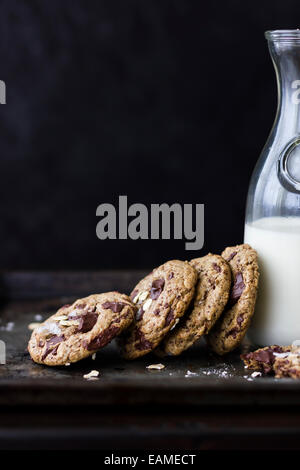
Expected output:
{"points": [[94, 356], [33, 325], [38, 317], [67, 363], [91, 375], [156, 366], [256, 374]]}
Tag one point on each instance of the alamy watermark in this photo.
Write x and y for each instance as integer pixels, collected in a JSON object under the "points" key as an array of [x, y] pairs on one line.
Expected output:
{"points": [[2, 92], [160, 221]]}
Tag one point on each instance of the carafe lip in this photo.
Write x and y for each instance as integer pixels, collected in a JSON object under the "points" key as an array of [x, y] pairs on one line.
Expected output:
{"points": [[283, 35]]}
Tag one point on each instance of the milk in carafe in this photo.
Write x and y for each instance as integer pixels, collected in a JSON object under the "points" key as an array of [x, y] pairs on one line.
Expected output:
{"points": [[277, 313]]}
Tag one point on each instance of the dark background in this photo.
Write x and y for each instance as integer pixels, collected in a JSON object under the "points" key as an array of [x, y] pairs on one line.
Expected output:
{"points": [[163, 101]]}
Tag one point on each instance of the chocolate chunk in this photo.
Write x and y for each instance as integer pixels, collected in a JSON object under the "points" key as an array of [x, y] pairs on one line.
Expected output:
{"points": [[102, 339], [171, 275], [142, 342], [139, 314], [233, 332], [116, 307], [55, 339], [157, 288], [50, 343], [238, 288], [240, 319], [169, 317], [86, 322], [232, 256], [217, 267], [54, 351], [266, 356], [156, 311]]}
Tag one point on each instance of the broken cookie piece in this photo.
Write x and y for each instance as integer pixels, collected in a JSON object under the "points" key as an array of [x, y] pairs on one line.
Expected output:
{"points": [[263, 359], [288, 365], [283, 361]]}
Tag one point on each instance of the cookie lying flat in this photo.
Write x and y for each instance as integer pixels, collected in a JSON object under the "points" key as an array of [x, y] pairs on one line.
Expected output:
{"points": [[76, 331], [263, 359], [212, 292], [161, 298], [231, 328]]}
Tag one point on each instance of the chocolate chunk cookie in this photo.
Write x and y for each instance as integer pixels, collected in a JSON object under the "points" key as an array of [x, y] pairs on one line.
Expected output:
{"points": [[263, 359], [161, 299], [231, 327], [76, 331], [212, 292]]}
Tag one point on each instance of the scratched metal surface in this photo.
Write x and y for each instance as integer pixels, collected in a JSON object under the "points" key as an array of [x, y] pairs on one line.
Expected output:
{"points": [[197, 377]]}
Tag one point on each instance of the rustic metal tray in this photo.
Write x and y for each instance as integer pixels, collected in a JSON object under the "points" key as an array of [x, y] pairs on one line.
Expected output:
{"points": [[197, 396], [196, 377]]}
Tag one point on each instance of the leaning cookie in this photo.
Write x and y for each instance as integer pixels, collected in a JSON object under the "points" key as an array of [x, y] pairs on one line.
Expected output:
{"points": [[212, 292], [231, 328], [161, 298], [76, 331]]}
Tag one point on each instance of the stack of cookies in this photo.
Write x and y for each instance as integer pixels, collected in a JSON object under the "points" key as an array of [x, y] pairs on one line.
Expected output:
{"points": [[167, 312]]}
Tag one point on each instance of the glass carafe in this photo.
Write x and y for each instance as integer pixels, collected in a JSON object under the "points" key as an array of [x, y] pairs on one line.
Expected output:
{"points": [[273, 206]]}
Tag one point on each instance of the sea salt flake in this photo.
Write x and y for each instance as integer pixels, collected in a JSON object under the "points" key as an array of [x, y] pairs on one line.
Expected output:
{"points": [[8, 327], [190, 374]]}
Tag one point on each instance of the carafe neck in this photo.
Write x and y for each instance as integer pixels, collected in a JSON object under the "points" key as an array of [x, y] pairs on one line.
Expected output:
{"points": [[284, 48]]}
